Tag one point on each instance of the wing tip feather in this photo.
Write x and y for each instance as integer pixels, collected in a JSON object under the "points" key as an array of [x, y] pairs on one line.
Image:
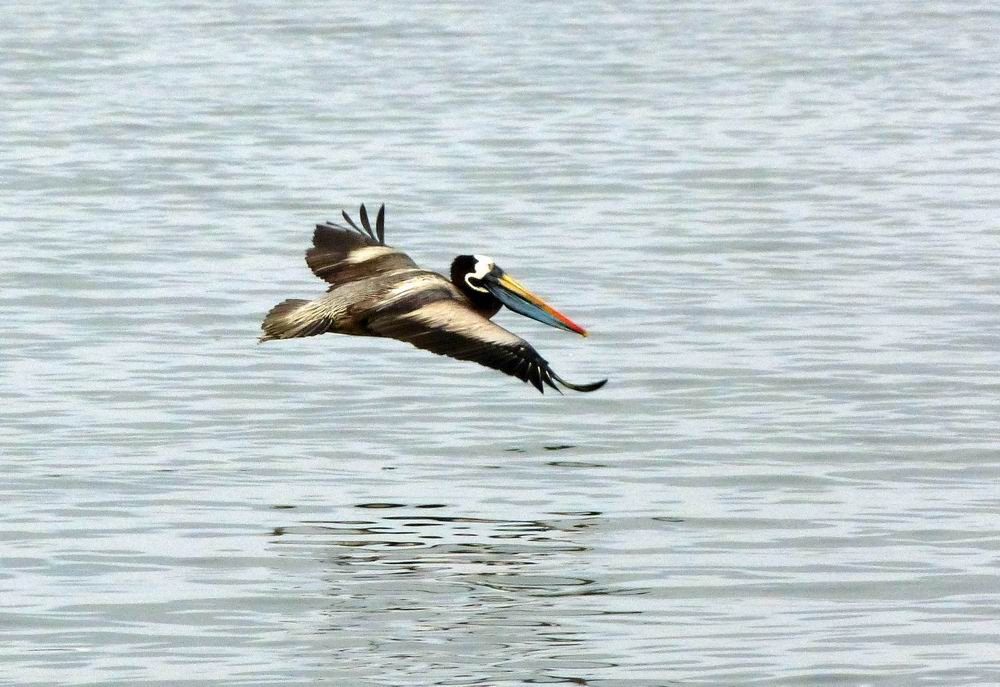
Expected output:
{"points": [[377, 234], [586, 388], [363, 213], [347, 218]]}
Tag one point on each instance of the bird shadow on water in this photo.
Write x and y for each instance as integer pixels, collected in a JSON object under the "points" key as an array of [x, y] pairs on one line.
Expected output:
{"points": [[458, 599]]}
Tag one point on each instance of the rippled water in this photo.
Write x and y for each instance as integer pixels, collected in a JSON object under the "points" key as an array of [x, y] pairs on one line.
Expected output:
{"points": [[780, 225]]}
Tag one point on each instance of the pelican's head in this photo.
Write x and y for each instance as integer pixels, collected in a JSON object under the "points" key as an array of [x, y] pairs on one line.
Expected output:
{"points": [[479, 278]]}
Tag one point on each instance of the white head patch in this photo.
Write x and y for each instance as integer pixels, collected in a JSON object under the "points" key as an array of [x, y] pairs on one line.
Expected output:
{"points": [[484, 264]]}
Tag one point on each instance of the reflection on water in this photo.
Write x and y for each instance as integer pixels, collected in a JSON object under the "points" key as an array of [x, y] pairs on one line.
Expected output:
{"points": [[450, 591]]}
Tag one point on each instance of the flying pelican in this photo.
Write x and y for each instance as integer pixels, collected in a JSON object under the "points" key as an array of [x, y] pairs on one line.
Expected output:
{"points": [[379, 291]]}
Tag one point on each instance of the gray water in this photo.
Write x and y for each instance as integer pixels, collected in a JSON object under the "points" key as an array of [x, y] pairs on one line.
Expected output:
{"points": [[780, 226]]}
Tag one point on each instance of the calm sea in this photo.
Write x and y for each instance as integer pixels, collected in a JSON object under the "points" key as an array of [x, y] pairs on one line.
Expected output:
{"points": [[780, 223]]}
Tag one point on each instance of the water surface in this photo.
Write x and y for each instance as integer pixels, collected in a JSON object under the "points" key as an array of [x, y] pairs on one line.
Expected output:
{"points": [[780, 226]]}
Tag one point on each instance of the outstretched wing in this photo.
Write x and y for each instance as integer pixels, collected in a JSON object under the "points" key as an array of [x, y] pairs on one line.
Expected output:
{"points": [[450, 327], [340, 255]]}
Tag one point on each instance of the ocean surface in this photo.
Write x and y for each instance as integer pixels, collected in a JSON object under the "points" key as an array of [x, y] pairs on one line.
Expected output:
{"points": [[780, 223]]}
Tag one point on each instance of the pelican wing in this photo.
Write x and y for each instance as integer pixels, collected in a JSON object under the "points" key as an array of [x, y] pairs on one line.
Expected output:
{"points": [[340, 255], [450, 327]]}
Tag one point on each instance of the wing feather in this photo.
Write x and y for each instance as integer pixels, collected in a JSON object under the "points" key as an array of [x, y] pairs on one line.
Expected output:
{"points": [[347, 218], [364, 220], [451, 327], [380, 225], [340, 255]]}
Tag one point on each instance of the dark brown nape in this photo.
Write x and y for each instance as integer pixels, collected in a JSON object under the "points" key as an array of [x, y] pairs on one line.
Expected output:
{"points": [[486, 304]]}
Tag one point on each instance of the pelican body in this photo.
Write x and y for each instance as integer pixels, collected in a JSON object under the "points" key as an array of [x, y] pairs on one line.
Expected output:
{"points": [[377, 290]]}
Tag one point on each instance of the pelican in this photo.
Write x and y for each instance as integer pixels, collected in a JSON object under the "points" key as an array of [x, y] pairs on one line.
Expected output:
{"points": [[377, 290]]}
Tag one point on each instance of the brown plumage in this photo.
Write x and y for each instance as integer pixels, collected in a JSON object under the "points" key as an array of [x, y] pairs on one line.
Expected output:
{"points": [[377, 290]]}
